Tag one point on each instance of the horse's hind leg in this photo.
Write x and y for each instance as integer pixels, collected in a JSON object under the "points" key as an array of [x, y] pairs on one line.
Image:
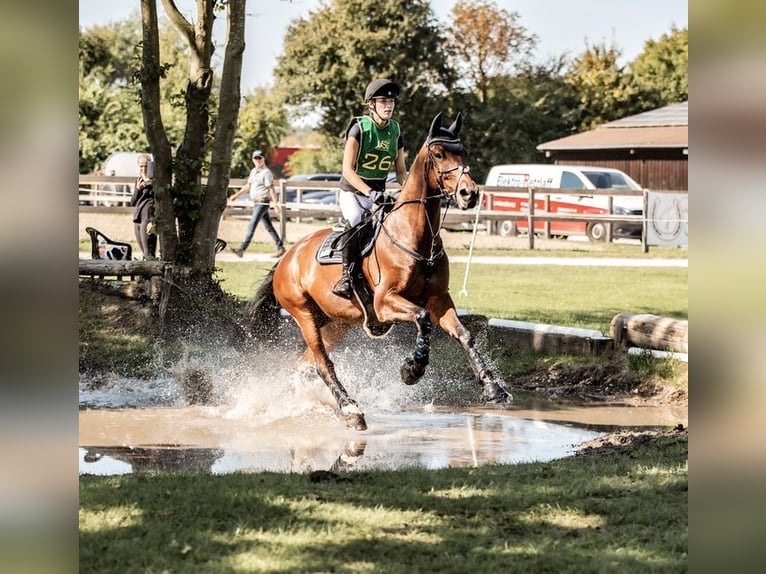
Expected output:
{"points": [[326, 370]]}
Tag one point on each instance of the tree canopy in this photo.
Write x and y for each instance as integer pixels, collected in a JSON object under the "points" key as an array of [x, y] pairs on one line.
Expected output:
{"points": [[331, 56], [482, 64], [660, 73]]}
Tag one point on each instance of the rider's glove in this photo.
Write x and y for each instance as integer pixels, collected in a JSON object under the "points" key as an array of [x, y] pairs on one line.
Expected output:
{"points": [[377, 197]]}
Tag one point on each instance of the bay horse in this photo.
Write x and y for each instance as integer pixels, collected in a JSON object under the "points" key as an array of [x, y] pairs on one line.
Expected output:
{"points": [[407, 271]]}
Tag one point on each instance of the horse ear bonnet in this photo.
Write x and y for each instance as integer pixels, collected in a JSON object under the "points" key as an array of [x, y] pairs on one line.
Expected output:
{"points": [[448, 138]]}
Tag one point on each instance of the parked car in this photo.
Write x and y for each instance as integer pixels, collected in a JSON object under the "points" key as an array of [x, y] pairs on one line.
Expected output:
{"points": [[315, 195]]}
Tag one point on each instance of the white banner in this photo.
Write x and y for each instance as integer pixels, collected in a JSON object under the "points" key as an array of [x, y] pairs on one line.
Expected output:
{"points": [[667, 218]]}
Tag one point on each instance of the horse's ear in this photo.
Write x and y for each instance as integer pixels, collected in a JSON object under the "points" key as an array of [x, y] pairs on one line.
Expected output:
{"points": [[457, 124], [435, 125]]}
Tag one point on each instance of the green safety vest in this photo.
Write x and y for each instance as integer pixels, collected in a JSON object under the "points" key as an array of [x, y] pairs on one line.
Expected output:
{"points": [[377, 149]]}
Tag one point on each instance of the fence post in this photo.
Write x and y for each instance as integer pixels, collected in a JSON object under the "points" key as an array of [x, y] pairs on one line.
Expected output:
{"points": [[282, 211]]}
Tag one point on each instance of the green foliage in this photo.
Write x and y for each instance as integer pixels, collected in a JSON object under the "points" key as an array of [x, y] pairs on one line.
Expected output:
{"points": [[327, 158], [329, 59], [487, 42], [647, 366], [601, 86], [110, 116], [534, 105], [262, 123], [660, 74]]}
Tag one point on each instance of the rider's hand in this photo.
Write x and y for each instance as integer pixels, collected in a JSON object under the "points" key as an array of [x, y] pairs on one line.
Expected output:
{"points": [[377, 197]]}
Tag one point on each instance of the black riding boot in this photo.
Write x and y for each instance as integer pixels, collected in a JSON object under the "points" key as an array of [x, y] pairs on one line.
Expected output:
{"points": [[344, 287]]}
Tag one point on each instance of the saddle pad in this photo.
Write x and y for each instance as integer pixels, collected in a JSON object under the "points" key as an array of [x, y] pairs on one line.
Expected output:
{"points": [[330, 254], [327, 255]]}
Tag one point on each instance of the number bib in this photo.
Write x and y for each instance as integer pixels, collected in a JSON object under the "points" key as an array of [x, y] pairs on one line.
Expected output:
{"points": [[377, 150]]}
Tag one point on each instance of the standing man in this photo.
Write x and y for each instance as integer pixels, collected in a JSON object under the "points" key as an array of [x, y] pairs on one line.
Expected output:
{"points": [[260, 184]]}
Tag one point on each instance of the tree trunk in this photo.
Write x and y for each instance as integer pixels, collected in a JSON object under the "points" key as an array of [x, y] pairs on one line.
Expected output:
{"points": [[650, 332], [214, 202], [187, 214], [155, 130]]}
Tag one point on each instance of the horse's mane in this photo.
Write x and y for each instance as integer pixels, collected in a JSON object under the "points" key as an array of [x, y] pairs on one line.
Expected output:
{"points": [[417, 171]]}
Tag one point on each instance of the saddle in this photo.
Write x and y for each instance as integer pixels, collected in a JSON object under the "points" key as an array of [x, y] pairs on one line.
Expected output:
{"points": [[329, 253]]}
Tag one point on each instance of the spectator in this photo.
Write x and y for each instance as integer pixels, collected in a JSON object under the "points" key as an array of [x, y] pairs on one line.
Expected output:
{"points": [[143, 201], [260, 184]]}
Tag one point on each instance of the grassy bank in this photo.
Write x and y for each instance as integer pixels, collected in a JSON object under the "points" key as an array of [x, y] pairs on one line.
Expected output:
{"points": [[585, 297], [621, 511]]}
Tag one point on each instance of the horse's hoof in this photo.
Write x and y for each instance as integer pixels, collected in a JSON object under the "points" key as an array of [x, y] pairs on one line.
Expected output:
{"points": [[356, 421], [411, 372], [376, 330], [497, 395]]}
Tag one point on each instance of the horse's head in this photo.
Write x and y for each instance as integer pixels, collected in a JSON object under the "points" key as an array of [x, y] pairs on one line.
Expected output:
{"points": [[446, 154]]}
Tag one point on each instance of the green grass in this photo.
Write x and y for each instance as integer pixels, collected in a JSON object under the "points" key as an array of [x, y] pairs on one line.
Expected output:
{"points": [[626, 512], [585, 297]]}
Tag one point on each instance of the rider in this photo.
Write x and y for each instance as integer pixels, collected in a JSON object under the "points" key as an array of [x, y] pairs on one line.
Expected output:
{"points": [[374, 145]]}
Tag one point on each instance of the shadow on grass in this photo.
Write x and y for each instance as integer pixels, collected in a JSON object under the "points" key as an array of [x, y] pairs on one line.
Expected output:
{"points": [[625, 512]]}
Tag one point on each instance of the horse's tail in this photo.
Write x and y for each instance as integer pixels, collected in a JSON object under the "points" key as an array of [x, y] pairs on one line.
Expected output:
{"points": [[262, 311]]}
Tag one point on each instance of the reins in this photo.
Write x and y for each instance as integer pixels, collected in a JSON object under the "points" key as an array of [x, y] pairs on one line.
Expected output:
{"points": [[434, 255]]}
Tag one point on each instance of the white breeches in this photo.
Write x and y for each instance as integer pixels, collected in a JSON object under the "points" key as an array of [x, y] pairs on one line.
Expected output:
{"points": [[353, 206]]}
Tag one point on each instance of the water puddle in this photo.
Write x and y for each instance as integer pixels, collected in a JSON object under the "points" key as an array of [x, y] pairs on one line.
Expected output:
{"points": [[281, 421]]}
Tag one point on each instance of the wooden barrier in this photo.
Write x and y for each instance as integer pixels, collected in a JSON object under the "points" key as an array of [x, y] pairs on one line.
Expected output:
{"points": [[108, 268], [650, 332]]}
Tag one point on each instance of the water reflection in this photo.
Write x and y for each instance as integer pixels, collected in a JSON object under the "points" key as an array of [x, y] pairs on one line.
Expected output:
{"points": [[395, 440]]}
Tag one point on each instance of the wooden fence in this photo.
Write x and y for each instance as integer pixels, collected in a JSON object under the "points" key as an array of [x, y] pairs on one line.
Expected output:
{"points": [[99, 193]]}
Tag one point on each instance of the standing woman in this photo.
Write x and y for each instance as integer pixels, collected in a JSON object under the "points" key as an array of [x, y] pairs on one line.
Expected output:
{"points": [[143, 201], [374, 146]]}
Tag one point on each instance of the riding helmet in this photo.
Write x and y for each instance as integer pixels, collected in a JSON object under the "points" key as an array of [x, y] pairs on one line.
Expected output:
{"points": [[381, 88]]}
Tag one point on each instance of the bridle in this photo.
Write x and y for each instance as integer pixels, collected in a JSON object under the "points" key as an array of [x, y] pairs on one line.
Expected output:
{"points": [[430, 164]]}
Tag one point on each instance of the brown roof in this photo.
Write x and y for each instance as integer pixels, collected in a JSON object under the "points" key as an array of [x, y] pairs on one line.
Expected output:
{"points": [[666, 127], [620, 138]]}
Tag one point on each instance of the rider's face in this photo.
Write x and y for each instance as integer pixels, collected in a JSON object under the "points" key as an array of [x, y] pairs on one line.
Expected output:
{"points": [[384, 107]]}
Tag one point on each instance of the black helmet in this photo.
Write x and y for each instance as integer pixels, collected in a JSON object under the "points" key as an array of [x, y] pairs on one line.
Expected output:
{"points": [[381, 88]]}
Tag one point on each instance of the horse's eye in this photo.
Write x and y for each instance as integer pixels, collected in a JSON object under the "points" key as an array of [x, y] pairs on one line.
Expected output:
{"points": [[439, 155]]}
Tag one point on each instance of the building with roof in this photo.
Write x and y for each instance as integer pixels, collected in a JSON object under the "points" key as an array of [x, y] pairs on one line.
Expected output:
{"points": [[651, 147]]}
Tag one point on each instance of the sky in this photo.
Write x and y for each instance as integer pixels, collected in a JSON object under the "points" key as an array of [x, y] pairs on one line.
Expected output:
{"points": [[562, 26]]}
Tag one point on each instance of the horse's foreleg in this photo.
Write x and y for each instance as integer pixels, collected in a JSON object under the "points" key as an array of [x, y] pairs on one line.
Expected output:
{"points": [[393, 308], [326, 370], [494, 391], [414, 367]]}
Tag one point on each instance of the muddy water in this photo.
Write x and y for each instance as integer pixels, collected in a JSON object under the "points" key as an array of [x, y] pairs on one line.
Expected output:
{"points": [[138, 426]]}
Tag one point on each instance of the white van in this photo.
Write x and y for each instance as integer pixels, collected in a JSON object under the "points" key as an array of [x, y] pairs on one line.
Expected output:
{"points": [[565, 177]]}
